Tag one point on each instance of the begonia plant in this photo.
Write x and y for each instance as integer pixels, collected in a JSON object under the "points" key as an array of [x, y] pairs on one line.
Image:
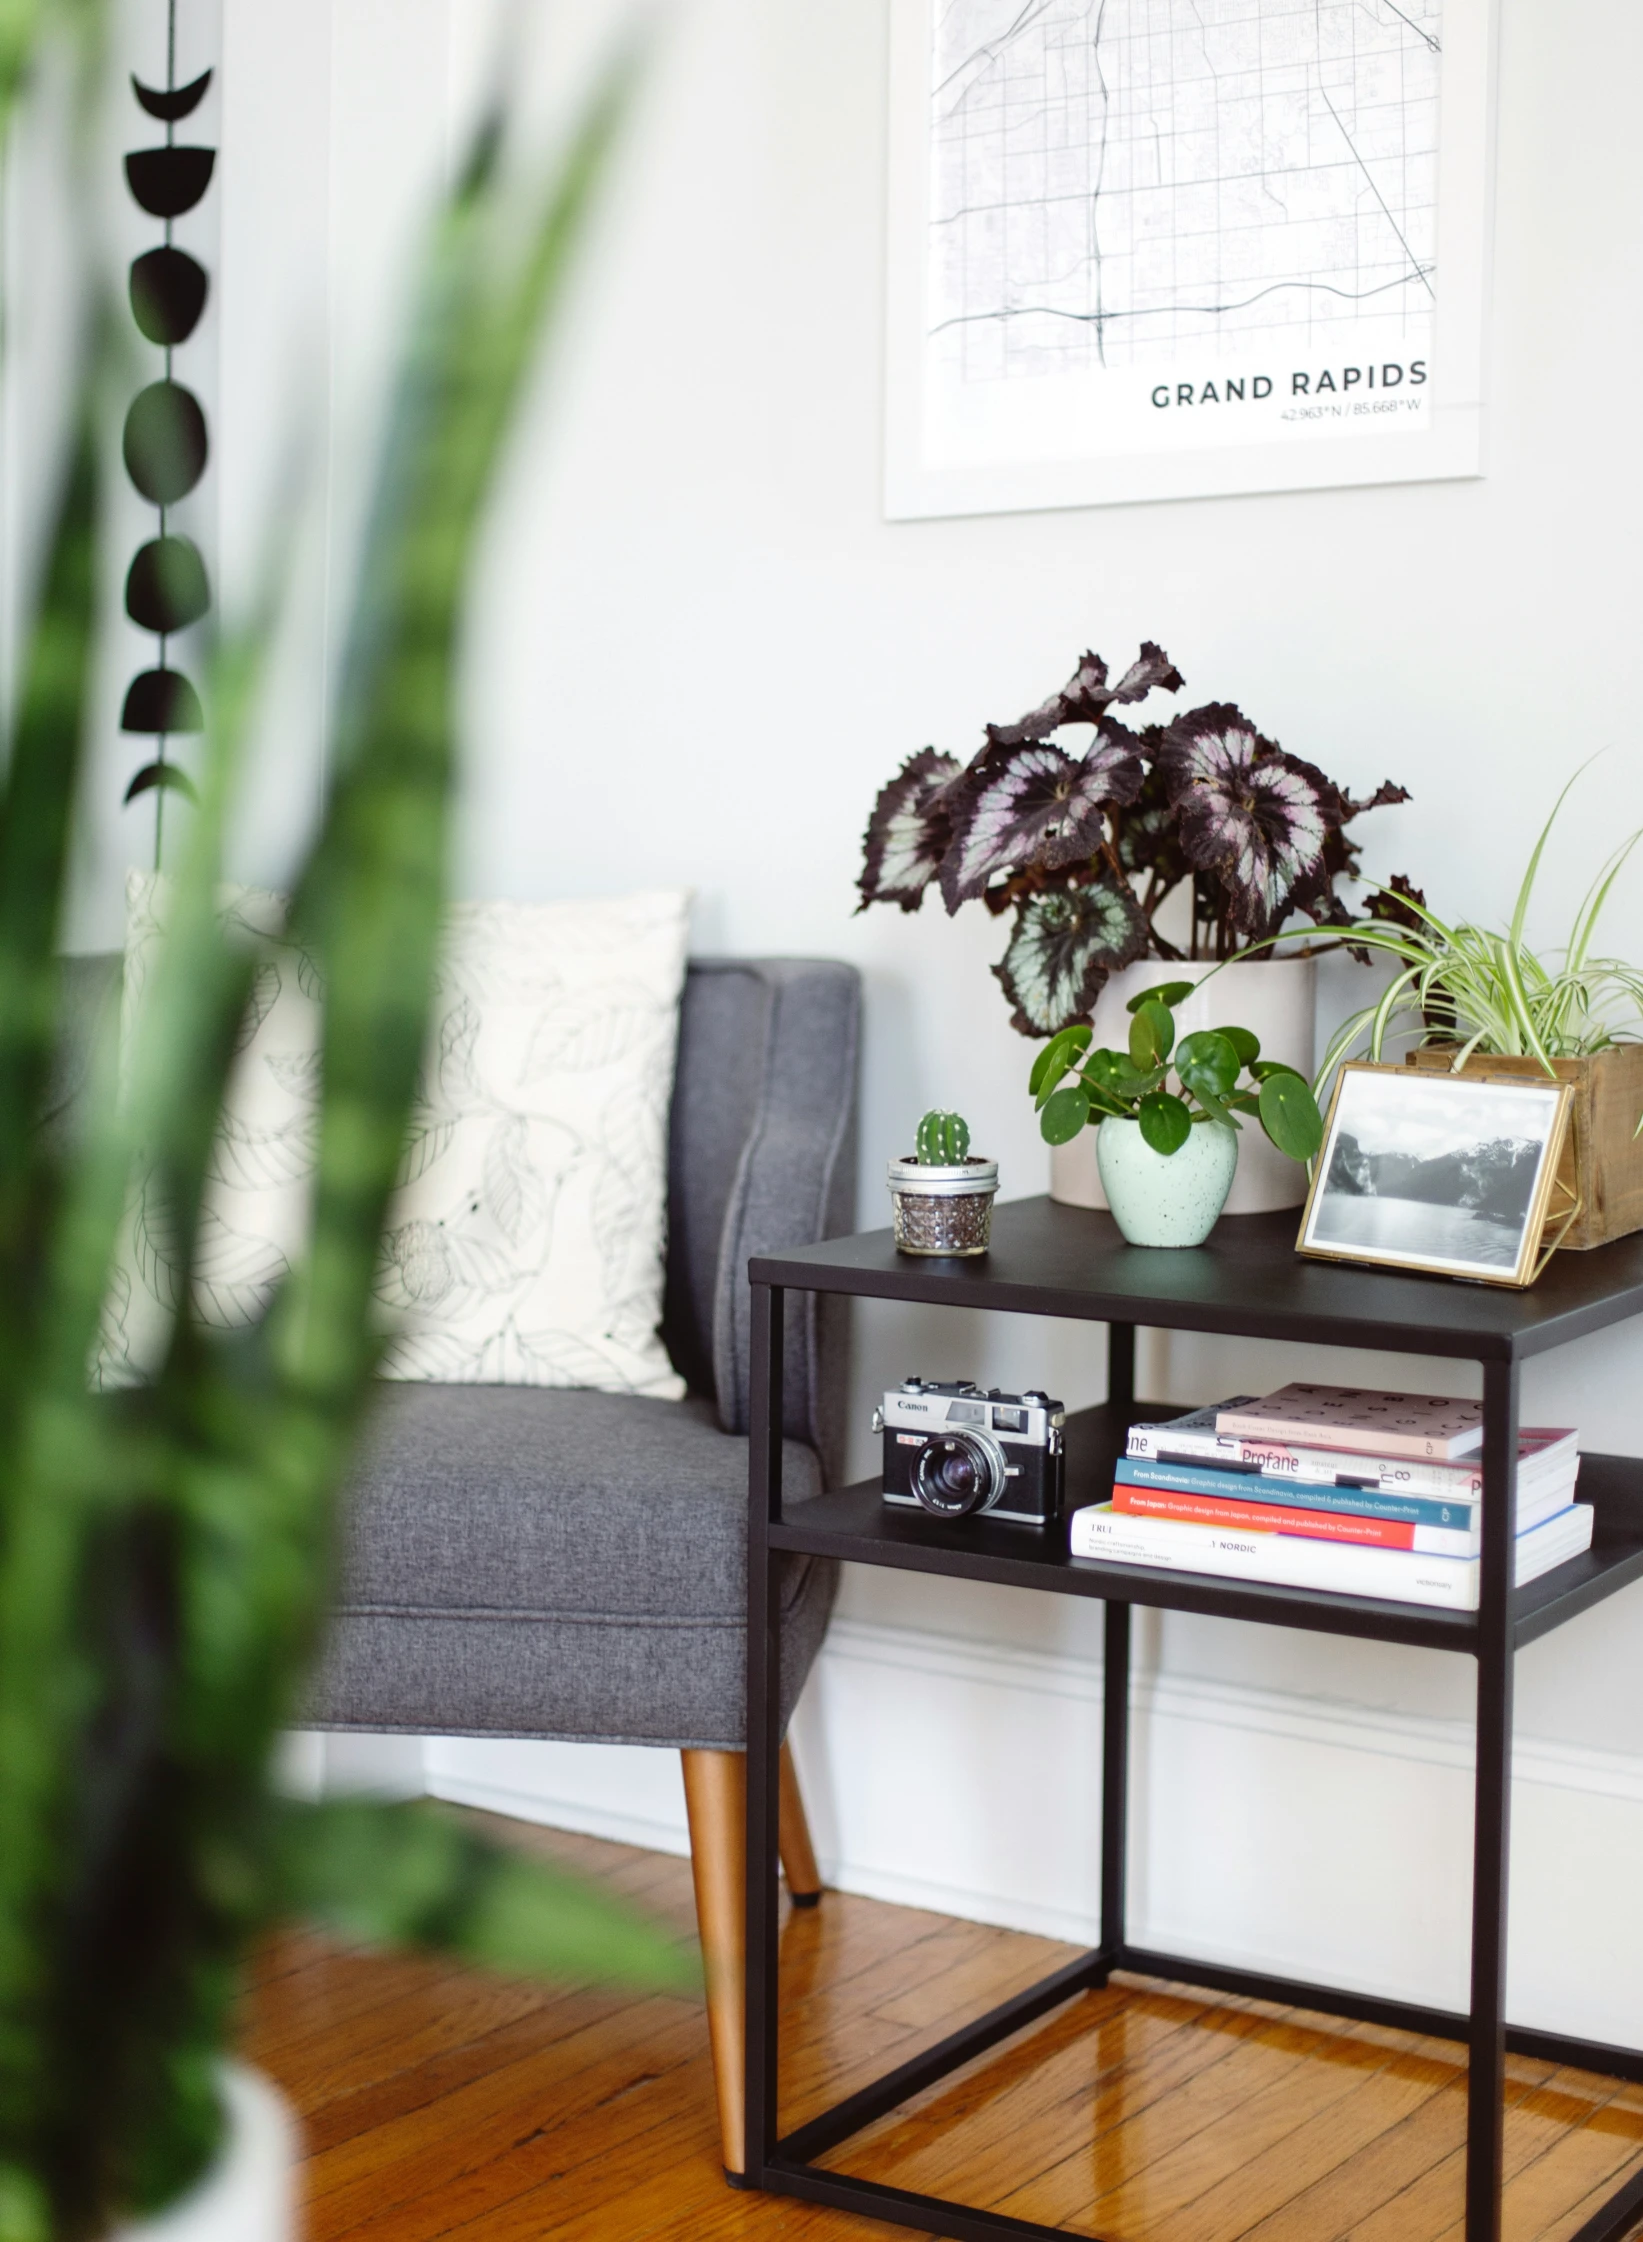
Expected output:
{"points": [[1085, 847]]}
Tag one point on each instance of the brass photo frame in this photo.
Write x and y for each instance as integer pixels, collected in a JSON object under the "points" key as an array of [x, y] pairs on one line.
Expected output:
{"points": [[1404, 1179]]}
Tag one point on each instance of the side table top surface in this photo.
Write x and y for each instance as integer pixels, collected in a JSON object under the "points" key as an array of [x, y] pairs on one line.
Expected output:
{"points": [[1048, 1259]]}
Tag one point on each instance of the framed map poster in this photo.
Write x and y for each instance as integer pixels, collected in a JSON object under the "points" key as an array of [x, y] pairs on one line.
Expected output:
{"points": [[1181, 248]]}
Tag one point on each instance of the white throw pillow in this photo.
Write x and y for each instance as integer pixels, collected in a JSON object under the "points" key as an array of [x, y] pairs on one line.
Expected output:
{"points": [[525, 1245], [255, 1213]]}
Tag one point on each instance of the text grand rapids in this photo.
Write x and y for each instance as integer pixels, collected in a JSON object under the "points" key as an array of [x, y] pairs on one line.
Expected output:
{"points": [[1390, 374]]}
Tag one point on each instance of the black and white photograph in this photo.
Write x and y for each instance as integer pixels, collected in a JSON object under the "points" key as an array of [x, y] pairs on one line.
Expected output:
{"points": [[1434, 1171]]}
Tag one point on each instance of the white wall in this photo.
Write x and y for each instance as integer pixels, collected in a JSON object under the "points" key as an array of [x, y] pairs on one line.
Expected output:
{"points": [[697, 650]]}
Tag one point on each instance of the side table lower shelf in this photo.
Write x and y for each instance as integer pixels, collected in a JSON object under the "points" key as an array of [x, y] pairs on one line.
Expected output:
{"points": [[1236, 2120], [855, 1526]]}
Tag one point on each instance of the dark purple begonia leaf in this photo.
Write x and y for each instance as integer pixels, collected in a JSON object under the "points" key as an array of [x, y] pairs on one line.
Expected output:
{"points": [[1258, 819], [1392, 903], [1034, 807], [1085, 697], [1147, 838], [909, 832], [1085, 688], [1317, 896], [1385, 796], [1066, 942], [1152, 670]]}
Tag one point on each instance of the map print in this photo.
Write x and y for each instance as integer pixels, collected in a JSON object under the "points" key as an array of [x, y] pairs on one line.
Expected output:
{"points": [[1198, 221]]}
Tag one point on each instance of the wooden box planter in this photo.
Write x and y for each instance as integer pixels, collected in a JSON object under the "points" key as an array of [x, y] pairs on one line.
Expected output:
{"points": [[1602, 1159]]}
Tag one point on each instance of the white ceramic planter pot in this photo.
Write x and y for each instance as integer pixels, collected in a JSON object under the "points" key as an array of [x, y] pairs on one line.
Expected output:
{"points": [[248, 2194], [1276, 999], [1166, 1199]]}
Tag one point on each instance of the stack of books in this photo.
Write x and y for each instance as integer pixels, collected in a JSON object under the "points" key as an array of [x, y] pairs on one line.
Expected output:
{"points": [[1333, 1488]]}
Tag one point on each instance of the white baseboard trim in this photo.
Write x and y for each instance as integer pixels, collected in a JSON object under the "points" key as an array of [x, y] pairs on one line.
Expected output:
{"points": [[653, 1832], [1300, 1836], [1420, 1738]]}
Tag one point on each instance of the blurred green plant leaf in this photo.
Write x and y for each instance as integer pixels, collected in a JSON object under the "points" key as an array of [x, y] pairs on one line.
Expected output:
{"points": [[413, 1875], [363, 906], [164, 1552]]}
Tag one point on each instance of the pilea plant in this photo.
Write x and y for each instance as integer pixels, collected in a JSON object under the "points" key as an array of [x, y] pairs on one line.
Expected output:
{"points": [[943, 1140], [1086, 849], [1219, 1074]]}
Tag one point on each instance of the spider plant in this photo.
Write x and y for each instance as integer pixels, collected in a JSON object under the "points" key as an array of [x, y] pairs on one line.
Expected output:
{"points": [[1487, 992]]}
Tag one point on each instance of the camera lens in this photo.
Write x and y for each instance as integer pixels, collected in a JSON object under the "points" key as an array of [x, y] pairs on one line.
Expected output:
{"points": [[958, 1474]]}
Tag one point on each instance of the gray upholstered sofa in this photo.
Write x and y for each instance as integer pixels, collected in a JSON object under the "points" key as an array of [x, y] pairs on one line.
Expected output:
{"points": [[531, 1561], [549, 1563]]}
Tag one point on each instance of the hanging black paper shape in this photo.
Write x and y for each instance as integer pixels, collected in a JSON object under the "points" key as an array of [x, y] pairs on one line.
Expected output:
{"points": [[168, 181], [167, 588], [159, 701], [165, 442], [162, 776], [167, 295], [171, 105]]}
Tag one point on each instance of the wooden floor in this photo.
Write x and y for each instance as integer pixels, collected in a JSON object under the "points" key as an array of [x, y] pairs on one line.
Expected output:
{"points": [[439, 2102]]}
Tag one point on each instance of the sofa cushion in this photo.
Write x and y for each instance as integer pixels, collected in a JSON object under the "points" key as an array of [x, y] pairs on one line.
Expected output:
{"points": [[532, 1500], [535, 1562]]}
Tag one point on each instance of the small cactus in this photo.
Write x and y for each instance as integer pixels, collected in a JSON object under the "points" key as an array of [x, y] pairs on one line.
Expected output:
{"points": [[943, 1140]]}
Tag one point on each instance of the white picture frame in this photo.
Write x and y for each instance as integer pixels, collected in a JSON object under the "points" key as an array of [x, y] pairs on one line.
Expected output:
{"points": [[959, 442]]}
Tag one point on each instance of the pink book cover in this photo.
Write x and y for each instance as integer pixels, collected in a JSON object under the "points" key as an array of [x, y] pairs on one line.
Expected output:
{"points": [[1351, 1417]]}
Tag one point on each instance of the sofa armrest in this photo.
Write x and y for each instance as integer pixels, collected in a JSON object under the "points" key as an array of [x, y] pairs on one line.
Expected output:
{"points": [[794, 1183]]}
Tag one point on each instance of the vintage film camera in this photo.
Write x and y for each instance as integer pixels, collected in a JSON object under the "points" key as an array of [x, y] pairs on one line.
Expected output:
{"points": [[957, 1452]]}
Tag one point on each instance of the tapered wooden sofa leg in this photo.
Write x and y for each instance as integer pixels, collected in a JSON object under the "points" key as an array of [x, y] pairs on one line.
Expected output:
{"points": [[716, 1803], [804, 1884]]}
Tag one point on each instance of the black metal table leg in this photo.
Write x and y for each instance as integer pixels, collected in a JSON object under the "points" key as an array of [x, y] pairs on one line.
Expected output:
{"points": [[1115, 1779], [1115, 1693], [1121, 1368], [1491, 1831], [764, 1668]]}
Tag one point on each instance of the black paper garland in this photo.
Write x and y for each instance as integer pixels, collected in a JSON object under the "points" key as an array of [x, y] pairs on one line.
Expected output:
{"points": [[165, 444], [167, 295], [174, 103]]}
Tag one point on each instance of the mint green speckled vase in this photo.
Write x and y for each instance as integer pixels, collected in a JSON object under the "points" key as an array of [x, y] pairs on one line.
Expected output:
{"points": [[1166, 1199]]}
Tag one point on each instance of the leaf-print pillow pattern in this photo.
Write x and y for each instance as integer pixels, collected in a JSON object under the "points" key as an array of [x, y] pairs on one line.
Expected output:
{"points": [[525, 1244], [255, 1213]]}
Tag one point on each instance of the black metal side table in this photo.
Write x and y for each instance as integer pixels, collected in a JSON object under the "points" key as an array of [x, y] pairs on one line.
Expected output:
{"points": [[1049, 1260]]}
